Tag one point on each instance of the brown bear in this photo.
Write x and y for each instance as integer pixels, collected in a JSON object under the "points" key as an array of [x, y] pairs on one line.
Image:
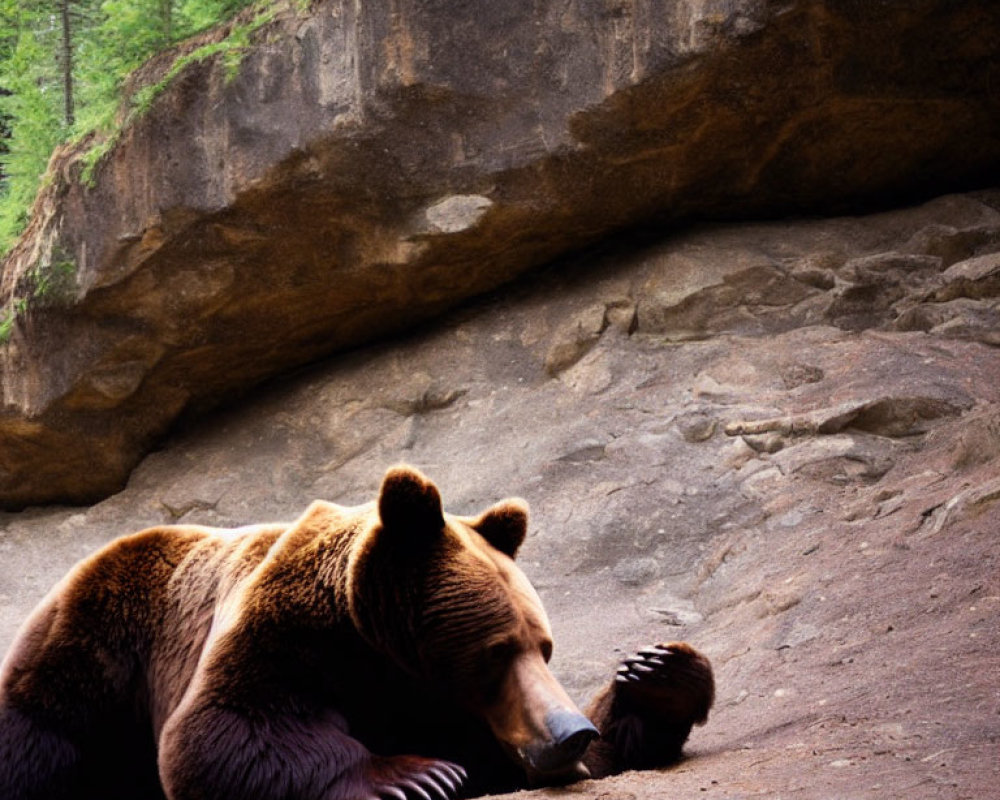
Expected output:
{"points": [[383, 651]]}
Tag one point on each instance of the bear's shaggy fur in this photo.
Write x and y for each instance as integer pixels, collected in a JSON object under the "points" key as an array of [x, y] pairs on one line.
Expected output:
{"points": [[387, 650]]}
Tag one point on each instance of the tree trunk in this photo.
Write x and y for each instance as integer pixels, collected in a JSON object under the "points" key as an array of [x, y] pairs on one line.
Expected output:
{"points": [[69, 109], [166, 20]]}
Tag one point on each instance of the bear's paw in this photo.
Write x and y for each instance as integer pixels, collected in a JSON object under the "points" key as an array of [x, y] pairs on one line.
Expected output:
{"points": [[413, 778], [657, 695], [672, 675]]}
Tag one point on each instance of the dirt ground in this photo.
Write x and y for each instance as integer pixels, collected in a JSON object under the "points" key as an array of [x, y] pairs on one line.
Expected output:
{"points": [[870, 664], [808, 492]]}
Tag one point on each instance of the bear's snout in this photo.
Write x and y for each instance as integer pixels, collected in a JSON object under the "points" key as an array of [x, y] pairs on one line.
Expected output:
{"points": [[538, 724], [570, 734]]}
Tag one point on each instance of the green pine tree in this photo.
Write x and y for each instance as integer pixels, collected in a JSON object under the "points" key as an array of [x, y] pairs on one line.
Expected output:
{"points": [[62, 67], [33, 109]]}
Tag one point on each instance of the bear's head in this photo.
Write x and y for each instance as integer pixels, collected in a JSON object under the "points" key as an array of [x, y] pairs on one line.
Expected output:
{"points": [[442, 595]]}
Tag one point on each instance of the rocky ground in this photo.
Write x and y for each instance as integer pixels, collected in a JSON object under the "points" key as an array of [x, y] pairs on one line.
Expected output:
{"points": [[780, 442]]}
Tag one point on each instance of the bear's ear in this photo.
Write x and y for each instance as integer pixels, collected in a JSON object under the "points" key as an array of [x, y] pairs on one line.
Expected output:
{"points": [[504, 525], [410, 502]]}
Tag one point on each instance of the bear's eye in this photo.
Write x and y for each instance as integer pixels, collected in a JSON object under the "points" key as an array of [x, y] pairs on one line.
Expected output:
{"points": [[546, 648], [500, 653]]}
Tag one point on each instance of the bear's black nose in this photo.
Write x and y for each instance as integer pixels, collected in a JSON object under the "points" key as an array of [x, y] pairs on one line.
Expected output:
{"points": [[569, 733]]}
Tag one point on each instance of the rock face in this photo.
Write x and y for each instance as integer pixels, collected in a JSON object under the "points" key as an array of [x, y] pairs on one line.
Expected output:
{"points": [[727, 437], [372, 164]]}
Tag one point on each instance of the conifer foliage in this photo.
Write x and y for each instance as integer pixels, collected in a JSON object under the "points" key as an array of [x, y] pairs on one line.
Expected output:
{"points": [[62, 67]]}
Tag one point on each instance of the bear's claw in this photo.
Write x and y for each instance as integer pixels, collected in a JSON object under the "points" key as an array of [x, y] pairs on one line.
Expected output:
{"points": [[649, 664], [415, 778]]}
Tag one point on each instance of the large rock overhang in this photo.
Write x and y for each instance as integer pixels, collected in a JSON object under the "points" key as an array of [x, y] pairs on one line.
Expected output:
{"points": [[371, 164]]}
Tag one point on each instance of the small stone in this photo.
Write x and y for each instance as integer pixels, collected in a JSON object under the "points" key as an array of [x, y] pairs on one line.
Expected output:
{"points": [[696, 428], [975, 277], [575, 338], [457, 213], [889, 268], [737, 454], [765, 443], [622, 316], [815, 277]]}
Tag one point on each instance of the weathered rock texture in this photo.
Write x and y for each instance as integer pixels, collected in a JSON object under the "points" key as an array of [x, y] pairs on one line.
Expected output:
{"points": [[754, 458], [371, 164]]}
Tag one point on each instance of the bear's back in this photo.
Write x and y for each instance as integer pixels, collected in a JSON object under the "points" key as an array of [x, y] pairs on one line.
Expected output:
{"points": [[109, 629], [214, 563]]}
